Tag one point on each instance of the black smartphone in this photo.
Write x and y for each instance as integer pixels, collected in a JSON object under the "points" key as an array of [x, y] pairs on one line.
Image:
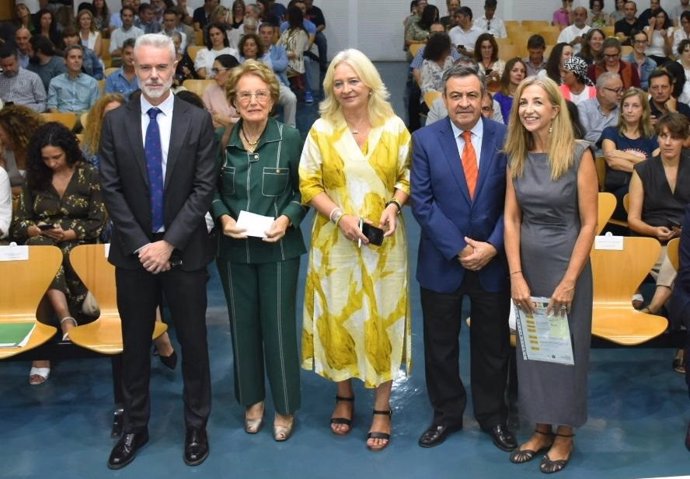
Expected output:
{"points": [[45, 227], [373, 234]]}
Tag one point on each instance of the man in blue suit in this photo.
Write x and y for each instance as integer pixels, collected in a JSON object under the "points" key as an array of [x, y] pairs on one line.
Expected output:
{"points": [[458, 187]]}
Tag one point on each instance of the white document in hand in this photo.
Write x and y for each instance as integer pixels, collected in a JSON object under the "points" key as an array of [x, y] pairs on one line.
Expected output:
{"points": [[253, 224]]}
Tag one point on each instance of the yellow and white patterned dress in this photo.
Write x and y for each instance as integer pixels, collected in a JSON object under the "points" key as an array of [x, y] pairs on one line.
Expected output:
{"points": [[356, 305]]}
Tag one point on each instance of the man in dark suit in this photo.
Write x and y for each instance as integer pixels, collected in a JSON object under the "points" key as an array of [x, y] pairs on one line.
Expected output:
{"points": [[158, 175], [458, 188]]}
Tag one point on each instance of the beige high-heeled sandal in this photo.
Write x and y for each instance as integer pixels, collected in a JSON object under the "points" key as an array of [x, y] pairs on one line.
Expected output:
{"points": [[252, 425]]}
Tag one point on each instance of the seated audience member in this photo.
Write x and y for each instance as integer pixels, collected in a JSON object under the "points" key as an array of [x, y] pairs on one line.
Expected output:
{"points": [[419, 27], [19, 85], [490, 109], [279, 62], [250, 25], [64, 192], [251, 47], [684, 61], [464, 35], [414, 93], [618, 12], [486, 56], [681, 33], [659, 38], [576, 86], [659, 193], [448, 21], [45, 63], [184, 69], [639, 60], [574, 34], [295, 40], [22, 17], [315, 15], [171, 26], [535, 61], [22, 39], [676, 12], [147, 21], [47, 27], [89, 36], [124, 81], [237, 13], [563, 16], [72, 91], [202, 15], [5, 206], [17, 124], [630, 142], [662, 100], [101, 17], [612, 63], [560, 53], [592, 47], [216, 42], [119, 35], [624, 27], [91, 64], [513, 74], [437, 59], [489, 23], [214, 98], [678, 78], [94, 121], [598, 18], [116, 18], [602, 111], [646, 17]]}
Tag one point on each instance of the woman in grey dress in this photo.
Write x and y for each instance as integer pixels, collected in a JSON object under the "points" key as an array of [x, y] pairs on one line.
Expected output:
{"points": [[550, 222]]}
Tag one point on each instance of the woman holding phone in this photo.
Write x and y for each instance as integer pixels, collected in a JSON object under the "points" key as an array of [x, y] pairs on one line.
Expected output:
{"points": [[355, 172]]}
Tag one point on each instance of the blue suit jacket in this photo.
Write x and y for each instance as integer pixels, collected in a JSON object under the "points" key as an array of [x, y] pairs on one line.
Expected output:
{"points": [[442, 206]]}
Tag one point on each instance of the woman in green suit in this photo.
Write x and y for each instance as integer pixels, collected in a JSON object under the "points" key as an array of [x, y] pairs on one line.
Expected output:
{"points": [[258, 174]]}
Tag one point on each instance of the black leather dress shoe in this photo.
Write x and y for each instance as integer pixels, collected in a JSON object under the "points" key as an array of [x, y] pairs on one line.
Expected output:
{"points": [[126, 449], [195, 446], [502, 437], [436, 434]]}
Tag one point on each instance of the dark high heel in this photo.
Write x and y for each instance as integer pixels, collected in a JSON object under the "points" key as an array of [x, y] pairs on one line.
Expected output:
{"points": [[344, 420], [380, 435]]}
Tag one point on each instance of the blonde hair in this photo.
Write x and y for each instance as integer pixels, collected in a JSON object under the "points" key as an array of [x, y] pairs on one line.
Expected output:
{"points": [[86, 11], [379, 107], [644, 125], [561, 142], [258, 69], [94, 121]]}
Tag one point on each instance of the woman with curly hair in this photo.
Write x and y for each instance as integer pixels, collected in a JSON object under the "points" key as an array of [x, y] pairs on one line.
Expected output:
{"points": [[486, 56], [17, 123], [60, 205], [94, 121]]}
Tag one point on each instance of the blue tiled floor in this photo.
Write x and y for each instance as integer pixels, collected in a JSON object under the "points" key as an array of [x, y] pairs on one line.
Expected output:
{"points": [[638, 414]]}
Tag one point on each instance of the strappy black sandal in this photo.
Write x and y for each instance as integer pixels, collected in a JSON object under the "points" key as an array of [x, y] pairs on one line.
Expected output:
{"points": [[521, 456], [548, 466], [380, 435], [344, 420]]}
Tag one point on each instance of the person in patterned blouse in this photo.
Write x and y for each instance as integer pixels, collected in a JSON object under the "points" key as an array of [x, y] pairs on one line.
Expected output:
{"points": [[60, 205]]}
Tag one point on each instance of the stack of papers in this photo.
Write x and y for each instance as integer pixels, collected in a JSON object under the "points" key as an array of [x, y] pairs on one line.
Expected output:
{"points": [[15, 335]]}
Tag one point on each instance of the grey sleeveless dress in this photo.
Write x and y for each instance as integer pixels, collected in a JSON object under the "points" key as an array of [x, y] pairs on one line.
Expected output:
{"points": [[553, 393]]}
